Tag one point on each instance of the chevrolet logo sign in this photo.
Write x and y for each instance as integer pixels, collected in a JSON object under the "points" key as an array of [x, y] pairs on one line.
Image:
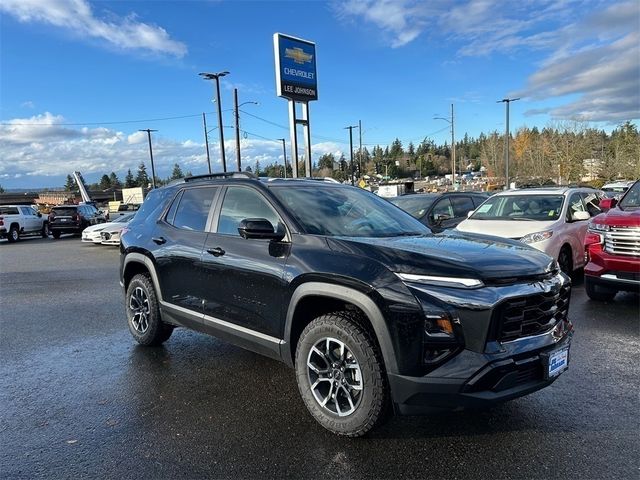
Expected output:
{"points": [[297, 55]]}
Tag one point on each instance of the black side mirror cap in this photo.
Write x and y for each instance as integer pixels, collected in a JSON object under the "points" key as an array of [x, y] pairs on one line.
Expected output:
{"points": [[259, 228]]}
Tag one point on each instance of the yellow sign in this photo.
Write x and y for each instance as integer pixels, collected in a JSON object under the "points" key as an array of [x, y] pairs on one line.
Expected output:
{"points": [[362, 183]]}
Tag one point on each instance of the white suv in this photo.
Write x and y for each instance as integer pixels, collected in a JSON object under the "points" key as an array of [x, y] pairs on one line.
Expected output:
{"points": [[553, 220]]}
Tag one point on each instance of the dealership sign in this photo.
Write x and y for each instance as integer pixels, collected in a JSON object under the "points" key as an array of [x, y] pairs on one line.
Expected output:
{"points": [[295, 68]]}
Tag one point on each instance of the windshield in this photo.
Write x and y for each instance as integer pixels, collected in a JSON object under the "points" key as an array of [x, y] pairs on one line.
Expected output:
{"points": [[124, 218], [414, 205], [520, 207], [632, 198], [346, 211]]}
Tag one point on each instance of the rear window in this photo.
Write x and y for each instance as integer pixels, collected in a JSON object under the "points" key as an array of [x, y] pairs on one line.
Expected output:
{"points": [[153, 205], [8, 211], [64, 211]]}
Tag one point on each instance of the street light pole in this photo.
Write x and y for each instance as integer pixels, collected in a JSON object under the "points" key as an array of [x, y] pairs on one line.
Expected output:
{"points": [[237, 115], [153, 169], [206, 140], [453, 145], [507, 101], [284, 152], [216, 77], [350, 128]]}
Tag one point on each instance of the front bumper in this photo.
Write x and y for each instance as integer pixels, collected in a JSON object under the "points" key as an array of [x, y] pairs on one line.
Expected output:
{"points": [[497, 381]]}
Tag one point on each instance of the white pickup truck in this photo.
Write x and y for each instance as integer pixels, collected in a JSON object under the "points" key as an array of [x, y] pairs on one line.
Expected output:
{"points": [[19, 220]]}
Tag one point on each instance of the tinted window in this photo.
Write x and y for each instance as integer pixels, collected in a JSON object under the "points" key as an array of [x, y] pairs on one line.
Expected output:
{"points": [[461, 206], [27, 211], [64, 211], [575, 205], [632, 198], [240, 203], [153, 205], [8, 211], [172, 210], [346, 211], [414, 205], [591, 201], [193, 209], [443, 207]]}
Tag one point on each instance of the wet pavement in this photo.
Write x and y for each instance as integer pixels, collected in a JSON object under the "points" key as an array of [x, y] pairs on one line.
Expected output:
{"points": [[78, 398]]}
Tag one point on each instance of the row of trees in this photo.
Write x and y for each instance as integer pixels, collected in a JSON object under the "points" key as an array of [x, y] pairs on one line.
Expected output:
{"points": [[567, 153]]}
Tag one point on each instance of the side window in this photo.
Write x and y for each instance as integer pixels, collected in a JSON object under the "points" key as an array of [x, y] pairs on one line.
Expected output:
{"points": [[171, 214], [193, 209], [575, 205], [442, 207], [240, 203], [591, 201], [26, 211], [477, 201], [461, 206]]}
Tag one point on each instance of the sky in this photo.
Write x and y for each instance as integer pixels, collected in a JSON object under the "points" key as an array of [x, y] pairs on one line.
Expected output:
{"points": [[80, 78]]}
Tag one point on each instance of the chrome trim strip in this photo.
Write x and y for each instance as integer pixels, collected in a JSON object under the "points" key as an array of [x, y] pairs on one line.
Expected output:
{"points": [[611, 276], [223, 324]]}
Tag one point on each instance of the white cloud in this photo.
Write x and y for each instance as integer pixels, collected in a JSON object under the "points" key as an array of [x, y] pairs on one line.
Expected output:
{"points": [[592, 56], [77, 17]]}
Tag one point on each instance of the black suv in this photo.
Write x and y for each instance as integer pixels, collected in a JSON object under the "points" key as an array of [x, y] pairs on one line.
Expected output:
{"points": [[370, 308], [440, 211], [73, 219]]}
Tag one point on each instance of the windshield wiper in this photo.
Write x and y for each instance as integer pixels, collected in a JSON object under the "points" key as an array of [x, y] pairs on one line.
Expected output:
{"points": [[525, 219]]}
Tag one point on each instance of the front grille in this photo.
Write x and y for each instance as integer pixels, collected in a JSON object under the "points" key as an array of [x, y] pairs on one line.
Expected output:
{"points": [[530, 315], [623, 241], [499, 378]]}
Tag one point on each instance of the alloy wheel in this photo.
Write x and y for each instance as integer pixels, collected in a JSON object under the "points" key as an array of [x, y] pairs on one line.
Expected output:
{"points": [[139, 305], [334, 375]]}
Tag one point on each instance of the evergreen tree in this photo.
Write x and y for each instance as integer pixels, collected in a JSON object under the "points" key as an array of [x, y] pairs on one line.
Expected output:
{"points": [[1, 189], [114, 180], [129, 181], [70, 185], [105, 182], [142, 178], [177, 172], [326, 161], [256, 168]]}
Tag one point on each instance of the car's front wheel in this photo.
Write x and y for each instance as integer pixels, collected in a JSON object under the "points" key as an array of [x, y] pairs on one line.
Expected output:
{"points": [[340, 375], [143, 313]]}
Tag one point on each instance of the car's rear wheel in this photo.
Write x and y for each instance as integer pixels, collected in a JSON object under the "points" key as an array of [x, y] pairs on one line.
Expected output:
{"points": [[143, 313], [340, 375], [565, 260], [14, 234], [55, 234], [598, 292]]}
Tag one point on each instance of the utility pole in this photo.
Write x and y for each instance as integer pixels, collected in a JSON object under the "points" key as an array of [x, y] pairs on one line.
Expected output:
{"points": [[360, 149], [235, 102], [350, 128], [507, 101], [453, 145], [284, 152], [216, 77], [206, 140], [153, 169]]}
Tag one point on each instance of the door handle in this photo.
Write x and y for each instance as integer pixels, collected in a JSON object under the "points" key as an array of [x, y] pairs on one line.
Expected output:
{"points": [[159, 240], [216, 252]]}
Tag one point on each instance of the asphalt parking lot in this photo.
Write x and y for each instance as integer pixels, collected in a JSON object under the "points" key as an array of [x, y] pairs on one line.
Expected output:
{"points": [[78, 398]]}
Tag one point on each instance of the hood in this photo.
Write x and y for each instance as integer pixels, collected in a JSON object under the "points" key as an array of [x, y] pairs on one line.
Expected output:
{"points": [[452, 253], [504, 228], [98, 227], [619, 218]]}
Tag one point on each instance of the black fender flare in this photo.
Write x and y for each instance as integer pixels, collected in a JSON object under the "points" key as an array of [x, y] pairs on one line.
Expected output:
{"points": [[350, 295], [135, 257]]}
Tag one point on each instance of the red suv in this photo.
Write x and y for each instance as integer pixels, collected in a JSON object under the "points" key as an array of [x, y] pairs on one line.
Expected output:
{"points": [[612, 247]]}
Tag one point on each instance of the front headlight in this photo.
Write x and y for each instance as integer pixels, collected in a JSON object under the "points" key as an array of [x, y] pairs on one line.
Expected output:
{"points": [[598, 227], [537, 236], [456, 282]]}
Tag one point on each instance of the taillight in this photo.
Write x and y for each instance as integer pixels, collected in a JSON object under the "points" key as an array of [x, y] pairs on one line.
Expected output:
{"points": [[1, 221]]}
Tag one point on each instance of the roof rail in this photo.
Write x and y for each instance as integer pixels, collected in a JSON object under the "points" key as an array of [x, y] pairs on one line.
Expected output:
{"points": [[221, 175]]}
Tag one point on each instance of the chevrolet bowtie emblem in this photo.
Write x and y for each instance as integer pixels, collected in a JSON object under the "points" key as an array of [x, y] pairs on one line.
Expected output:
{"points": [[297, 55]]}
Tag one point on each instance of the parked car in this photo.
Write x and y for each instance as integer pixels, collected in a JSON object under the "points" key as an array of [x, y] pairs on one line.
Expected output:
{"points": [[616, 189], [440, 211], [111, 234], [19, 220], [73, 219], [553, 220], [612, 248], [362, 300], [92, 234]]}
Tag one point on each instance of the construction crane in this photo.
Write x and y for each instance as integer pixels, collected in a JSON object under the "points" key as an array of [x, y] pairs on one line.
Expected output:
{"points": [[84, 193]]}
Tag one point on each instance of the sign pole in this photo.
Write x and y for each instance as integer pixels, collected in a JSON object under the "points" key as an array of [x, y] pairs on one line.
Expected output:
{"points": [[307, 140], [294, 138]]}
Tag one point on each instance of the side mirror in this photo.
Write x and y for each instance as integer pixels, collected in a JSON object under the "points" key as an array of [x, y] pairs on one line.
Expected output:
{"points": [[607, 204], [258, 228], [579, 216], [470, 212]]}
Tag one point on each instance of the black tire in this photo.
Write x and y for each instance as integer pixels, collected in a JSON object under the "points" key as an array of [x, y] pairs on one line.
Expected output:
{"points": [[45, 230], [143, 313], [369, 402], [14, 234], [598, 292], [55, 234], [565, 260]]}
